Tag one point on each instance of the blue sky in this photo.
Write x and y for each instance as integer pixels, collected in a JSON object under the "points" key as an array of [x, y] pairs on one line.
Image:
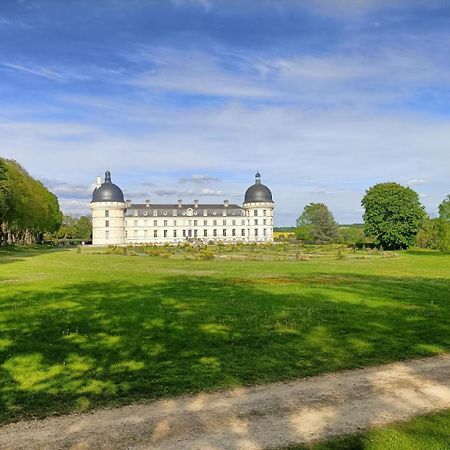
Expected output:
{"points": [[186, 99]]}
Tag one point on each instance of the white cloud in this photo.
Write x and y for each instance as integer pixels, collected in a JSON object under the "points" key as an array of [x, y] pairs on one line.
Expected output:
{"points": [[39, 71], [198, 179], [416, 181]]}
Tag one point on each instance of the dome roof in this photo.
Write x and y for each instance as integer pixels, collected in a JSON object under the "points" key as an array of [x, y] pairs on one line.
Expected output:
{"points": [[108, 192], [258, 192]]}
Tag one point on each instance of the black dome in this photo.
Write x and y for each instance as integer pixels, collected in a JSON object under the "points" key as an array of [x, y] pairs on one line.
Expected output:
{"points": [[258, 192], [108, 192]]}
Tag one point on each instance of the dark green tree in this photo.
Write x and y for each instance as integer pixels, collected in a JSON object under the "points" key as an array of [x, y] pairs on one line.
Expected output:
{"points": [[316, 224], [83, 228], [444, 209], [393, 215]]}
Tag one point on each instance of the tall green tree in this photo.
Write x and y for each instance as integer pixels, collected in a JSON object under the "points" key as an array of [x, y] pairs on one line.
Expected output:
{"points": [[393, 215], [444, 209], [27, 208], [83, 228], [316, 224]]}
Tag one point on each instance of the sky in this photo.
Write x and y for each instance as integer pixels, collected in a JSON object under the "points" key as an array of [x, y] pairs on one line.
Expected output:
{"points": [[188, 98]]}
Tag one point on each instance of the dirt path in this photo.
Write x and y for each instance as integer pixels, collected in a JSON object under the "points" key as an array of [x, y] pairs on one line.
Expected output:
{"points": [[268, 416]]}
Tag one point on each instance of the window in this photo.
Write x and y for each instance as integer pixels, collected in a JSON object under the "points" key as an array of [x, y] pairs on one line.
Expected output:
{"points": [[126, 233], [224, 223], [224, 232], [165, 223], [205, 223], [184, 233], [189, 233], [243, 232], [215, 233], [233, 222], [174, 233], [165, 233], [106, 223], [145, 233], [215, 223], [155, 233], [106, 213], [174, 223], [135, 233], [155, 213], [205, 212], [256, 221], [233, 232], [265, 232], [155, 223], [205, 233], [255, 212], [107, 234], [190, 223], [264, 221], [243, 222], [264, 212], [256, 231], [195, 233], [195, 223], [135, 223]]}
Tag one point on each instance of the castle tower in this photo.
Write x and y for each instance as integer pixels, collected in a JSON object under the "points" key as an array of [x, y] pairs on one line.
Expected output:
{"points": [[258, 206], [108, 213]]}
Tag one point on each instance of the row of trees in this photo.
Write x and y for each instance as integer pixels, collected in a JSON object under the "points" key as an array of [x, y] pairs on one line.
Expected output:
{"points": [[393, 218], [27, 208], [72, 229]]}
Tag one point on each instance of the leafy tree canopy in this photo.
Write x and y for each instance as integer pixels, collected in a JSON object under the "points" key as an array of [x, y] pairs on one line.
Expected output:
{"points": [[393, 215], [316, 224], [444, 209], [27, 207]]}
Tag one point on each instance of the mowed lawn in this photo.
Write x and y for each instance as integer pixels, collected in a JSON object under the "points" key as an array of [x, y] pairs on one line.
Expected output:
{"points": [[81, 330]]}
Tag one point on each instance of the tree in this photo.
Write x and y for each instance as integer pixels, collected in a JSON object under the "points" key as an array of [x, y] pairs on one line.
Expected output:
{"points": [[27, 208], [393, 215], [316, 224], [83, 228], [444, 209]]}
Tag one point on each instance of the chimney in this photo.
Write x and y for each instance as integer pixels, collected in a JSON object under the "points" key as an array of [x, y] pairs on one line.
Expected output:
{"points": [[180, 202], [225, 203], [195, 203], [99, 181], [147, 203]]}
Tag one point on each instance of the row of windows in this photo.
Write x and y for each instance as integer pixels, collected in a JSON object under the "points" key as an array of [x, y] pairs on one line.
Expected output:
{"points": [[192, 233], [194, 223], [155, 213]]}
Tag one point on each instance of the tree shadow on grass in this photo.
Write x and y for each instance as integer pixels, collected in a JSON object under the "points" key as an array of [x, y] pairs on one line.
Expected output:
{"points": [[14, 253], [95, 344]]}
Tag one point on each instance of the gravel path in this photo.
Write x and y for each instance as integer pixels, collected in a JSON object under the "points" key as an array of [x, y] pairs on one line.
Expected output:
{"points": [[269, 416]]}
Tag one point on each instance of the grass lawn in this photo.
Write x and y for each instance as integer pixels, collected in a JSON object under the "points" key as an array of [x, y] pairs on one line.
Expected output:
{"points": [[430, 432], [81, 330]]}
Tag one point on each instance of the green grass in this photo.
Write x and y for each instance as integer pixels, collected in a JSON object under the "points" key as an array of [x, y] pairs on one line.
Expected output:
{"points": [[429, 432], [82, 330]]}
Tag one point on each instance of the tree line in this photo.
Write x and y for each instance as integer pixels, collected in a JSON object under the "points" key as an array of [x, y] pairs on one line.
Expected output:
{"points": [[393, 219], [27, 208]]}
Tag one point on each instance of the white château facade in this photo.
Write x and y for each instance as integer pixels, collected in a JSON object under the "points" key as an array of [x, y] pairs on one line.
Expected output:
{"points": [[119, 222]]}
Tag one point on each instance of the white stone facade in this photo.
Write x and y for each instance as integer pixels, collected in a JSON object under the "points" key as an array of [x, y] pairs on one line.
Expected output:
{"points": [[124, 223]]}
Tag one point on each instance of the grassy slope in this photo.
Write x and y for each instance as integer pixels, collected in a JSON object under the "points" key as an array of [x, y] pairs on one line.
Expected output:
{"points": [[429, 432], [84, 330]]}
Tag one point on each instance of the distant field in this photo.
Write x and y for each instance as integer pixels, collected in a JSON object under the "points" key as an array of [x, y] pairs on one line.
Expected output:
{"points": [[86, 329]]}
